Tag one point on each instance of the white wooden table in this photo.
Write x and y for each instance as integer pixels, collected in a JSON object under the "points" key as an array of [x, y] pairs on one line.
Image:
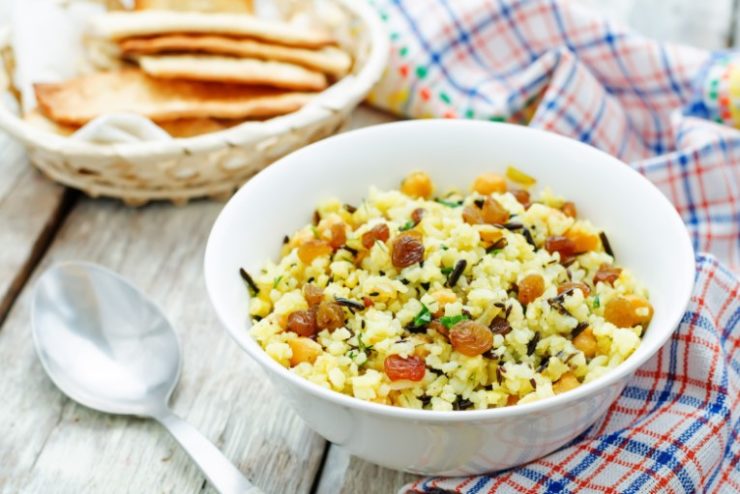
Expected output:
{"points": [[49, 444]]}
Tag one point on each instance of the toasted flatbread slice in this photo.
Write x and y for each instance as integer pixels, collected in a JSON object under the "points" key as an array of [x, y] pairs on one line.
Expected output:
{"points": [[118, 25], [39, 120], [190, 127], [77, 101], [233, 70], [185, 127], [237, 6], [330, 60]]}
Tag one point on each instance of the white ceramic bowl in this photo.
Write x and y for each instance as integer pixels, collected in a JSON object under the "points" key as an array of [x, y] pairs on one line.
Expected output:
{"points": [[645, 231]]}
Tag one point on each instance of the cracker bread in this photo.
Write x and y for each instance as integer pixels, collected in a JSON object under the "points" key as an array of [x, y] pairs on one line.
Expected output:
{"points": [[233, 70], [236, 6], [77, 101], [330, 60], [185, 127], [118, 25]]}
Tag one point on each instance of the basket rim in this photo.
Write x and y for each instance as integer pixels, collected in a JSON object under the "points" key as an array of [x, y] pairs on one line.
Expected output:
{"points": [[346, 92]]}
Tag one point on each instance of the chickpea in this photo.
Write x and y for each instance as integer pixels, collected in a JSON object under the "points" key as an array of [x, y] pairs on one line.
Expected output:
{"points": [[628, 311], [586, 342], [444, 297], [488, 183], [304, 350], [418, 185], [566, 382]]}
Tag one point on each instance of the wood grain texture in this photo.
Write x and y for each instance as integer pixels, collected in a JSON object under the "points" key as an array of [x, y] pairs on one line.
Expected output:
{"points": [[31, 207], [50, 444], [346, 474], [53, 445]]}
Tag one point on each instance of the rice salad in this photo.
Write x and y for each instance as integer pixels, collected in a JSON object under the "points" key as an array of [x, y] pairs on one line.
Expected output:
{"points": [[464, 300]]}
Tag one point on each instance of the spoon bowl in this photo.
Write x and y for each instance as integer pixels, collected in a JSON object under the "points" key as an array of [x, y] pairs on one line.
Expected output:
{"points": [[102, 342], [110, 348]]}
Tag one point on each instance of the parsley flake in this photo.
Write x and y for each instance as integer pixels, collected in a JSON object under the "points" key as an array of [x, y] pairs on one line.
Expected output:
{"points": [[277, 281], [449, 204], [423, 318], [449, 321], [407, 226]]}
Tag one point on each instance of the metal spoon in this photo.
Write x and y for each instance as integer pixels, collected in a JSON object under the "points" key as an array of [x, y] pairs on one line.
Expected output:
{"points": [[109, 347]]}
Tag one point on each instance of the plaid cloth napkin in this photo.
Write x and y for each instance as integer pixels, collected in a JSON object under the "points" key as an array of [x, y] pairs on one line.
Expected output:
{"points": [[660, 108]]}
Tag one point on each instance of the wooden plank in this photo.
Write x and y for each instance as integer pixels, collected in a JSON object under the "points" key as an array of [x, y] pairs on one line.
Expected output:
{"points": [[50, 444], [346, 474], [706, 24], [53, 445], [31, 208]]}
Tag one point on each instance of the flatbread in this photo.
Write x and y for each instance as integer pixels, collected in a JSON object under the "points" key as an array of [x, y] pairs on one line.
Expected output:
{"points": [[77, 101], [185, 127], [233, 70], [118, 25], [237, 6], [330, 60]]}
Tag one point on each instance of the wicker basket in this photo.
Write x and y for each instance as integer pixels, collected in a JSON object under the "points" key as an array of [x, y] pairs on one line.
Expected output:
{"points": [[211, 165]]}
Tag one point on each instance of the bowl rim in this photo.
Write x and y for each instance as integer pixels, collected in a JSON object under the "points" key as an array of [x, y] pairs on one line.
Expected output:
{"points": [[684, 274]]}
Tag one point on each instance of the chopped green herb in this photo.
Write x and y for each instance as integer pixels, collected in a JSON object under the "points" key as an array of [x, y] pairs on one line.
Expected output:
{"points": [[366, 349], [449, 321], [449, 204], [443, 247], [597, 302], [423, 318], [446, 271], [407, 226], [277, 281], [315, 232]]}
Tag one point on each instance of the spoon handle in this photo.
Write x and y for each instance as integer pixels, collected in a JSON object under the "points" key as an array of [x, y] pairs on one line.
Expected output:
{"points": [[221, 473]]}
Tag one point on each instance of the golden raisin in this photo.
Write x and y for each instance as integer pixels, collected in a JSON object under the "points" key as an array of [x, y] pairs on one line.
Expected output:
{"points": [[530, 287], [398, 368], [493, 212], [488, 183], [330, 315], [378, 232], [313, 294], [561, 244], [586, 342], [338, 235], [472, 215], [572, 285], [471, 338], [607, 274], [569, 209], [522, 197], [408, 249], [512, 400], [313, 248], [417, 215], [566, 382], [628, 311], [582, 241], [304, 350], [418, 185], [302, 322]]}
